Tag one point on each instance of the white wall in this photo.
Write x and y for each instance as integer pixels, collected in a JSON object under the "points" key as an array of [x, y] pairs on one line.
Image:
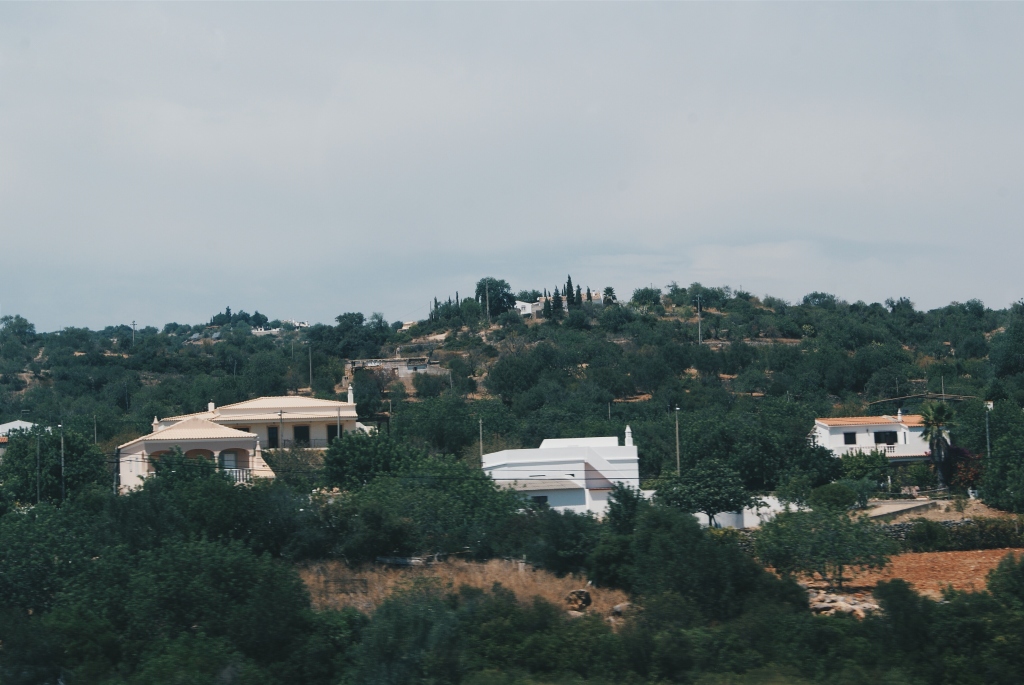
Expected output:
{"points": [[748, 518]]}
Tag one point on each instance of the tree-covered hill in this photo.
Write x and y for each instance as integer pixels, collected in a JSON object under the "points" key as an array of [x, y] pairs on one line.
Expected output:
{"points": [[192, 579], [747, 393]]}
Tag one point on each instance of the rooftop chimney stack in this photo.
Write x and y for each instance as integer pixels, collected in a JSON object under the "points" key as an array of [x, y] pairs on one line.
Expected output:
{"points": [[629, 437], [210, 406], [351, 393]]}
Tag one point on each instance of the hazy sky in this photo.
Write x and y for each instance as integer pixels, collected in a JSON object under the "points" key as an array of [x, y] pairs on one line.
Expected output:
{"points": [[161, 161]]}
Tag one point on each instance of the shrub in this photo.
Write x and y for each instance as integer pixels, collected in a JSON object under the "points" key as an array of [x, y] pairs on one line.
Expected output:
{"points": [[834, 497], [930, 536]]}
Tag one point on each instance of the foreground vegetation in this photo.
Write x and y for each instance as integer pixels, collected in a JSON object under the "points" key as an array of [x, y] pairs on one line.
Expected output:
{"points": [[192, 579]]}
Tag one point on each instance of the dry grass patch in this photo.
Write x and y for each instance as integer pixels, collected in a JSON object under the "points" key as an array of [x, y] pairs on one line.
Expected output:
{"points": [[333, 585]]}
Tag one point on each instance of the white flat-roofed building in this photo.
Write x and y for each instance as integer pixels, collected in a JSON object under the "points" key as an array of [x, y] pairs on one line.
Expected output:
{"points": [[529, 308], [900, 437], [569, 474]]}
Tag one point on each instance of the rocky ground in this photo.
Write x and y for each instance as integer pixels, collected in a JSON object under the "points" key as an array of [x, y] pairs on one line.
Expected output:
{"points": [[859, 604], [946, 511]]}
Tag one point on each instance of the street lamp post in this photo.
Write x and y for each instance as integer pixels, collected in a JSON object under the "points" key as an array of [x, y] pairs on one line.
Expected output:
{"points": [[677, 441], [61, 426]]}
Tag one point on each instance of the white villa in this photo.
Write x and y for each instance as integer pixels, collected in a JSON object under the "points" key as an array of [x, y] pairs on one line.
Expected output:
{"points": [[236, 434], [236, 452], [291, 421], [899, 437], [570, 474], [6, 428], [529, 308]]}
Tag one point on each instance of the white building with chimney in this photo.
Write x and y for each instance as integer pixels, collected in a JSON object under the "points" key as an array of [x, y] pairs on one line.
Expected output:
{"points": [[569, 474]]}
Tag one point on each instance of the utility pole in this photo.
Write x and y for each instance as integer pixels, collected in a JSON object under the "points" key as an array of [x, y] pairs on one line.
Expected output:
{"points": [[677, 441], [609, 411], [133, 333], [280, 428], [481, 441], [988, 435], [61, 426], [699, 334]]}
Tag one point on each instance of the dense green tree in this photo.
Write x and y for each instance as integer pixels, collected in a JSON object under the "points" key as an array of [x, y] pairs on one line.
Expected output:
{"points": [[32, 467], [557, 306], [823, 542], [497, 293], [646, 297], [710, 488]]}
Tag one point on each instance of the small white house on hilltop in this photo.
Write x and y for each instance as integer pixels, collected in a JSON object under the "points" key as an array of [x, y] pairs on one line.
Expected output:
{"points": [[900, 437], [569, 474], [529, 308]]}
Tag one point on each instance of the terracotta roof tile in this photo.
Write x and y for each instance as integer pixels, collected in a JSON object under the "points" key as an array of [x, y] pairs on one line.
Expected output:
{"points": [[191, 429], [909, 420]]}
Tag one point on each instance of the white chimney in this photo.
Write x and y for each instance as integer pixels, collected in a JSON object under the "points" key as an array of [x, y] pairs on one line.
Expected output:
{"points": [[899, 414], [156, 423], [351, 393], [210, 407], [629, 437]]}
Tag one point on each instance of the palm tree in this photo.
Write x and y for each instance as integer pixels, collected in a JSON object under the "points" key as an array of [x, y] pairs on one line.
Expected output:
{"points": [[937, 419]]}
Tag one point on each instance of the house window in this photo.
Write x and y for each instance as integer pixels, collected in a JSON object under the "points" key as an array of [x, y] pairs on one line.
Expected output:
{"points": [[244, 429], [540, 499], [301, 436], [332, 433], [885, 437], [849, 438], [228, 460], [272, 437]]}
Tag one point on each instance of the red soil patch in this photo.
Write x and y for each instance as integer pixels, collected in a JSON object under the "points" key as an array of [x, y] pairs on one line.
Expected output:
{"points": [[931, 572]]}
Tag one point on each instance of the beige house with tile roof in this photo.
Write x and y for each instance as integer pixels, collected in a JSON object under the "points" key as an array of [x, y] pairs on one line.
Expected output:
{"points": [[900, 437], [236, 434], [236, 452], [290, 421]]}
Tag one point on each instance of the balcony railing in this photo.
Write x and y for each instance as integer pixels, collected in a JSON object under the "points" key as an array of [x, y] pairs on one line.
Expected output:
{"points": [[239, 475], [315, 443], [892, 451]]}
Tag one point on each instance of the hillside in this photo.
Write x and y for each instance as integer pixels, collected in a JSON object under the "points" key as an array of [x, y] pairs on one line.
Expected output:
{"points": [[748, 393]]}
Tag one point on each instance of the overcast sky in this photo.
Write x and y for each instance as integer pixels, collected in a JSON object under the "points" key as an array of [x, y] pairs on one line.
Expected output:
{"points": [[159, 162]]}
